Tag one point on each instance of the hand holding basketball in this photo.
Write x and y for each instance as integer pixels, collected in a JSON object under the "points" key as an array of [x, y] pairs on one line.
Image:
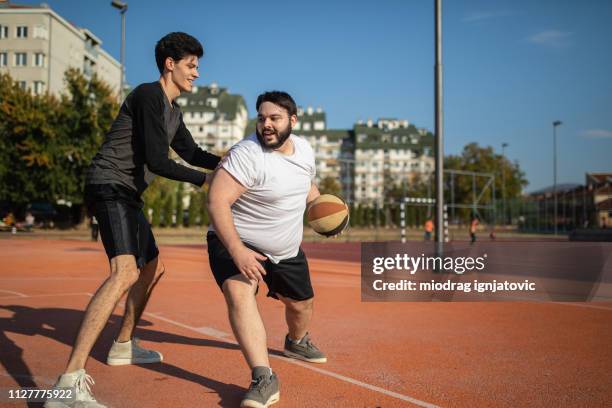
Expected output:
{"points": [[328, 215]]}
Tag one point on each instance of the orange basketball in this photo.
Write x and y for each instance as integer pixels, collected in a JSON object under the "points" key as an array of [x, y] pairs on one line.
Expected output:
{"points": [[328, 215]]}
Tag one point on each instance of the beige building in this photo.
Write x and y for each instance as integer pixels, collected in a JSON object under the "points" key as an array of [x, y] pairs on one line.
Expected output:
{"points": [[387, 153], [326, 143], [369, 159], [215, 118], [37, 46]]}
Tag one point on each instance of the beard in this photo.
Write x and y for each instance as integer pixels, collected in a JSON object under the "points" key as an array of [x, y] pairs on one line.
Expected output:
{"points": [[281, 137]]}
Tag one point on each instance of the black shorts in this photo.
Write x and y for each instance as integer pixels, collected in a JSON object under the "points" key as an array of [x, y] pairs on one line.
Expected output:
{"points": [[123, 226], [289, 278]]}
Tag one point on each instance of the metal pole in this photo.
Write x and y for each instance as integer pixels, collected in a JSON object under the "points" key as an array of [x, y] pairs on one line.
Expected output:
{"points": [[555, 124], [122, 52], [454, 218], [555, 177], [122, 7], [403, 220], [439, 132], [504, 216]]}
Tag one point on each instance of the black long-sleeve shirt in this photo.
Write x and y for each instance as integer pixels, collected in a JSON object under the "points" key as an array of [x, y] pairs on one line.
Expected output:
{"points": [[136, 147]]}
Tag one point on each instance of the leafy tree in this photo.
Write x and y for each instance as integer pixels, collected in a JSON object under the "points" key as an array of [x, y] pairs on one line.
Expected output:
{"points": [[48, 142], [156, 197], [485, 160], [204, 211], [180, 192], [168, 210], [330, 185], [31, 146], [88, 110], [194, 209]]}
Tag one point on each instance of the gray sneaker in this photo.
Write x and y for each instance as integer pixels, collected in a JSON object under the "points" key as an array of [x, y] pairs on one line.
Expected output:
{"points": [[264, 389], [130, 352], [304, 350], [80, 381]]}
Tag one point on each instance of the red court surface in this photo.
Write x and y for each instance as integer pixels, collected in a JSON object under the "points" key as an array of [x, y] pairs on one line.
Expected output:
{"points": [[380, 354]]}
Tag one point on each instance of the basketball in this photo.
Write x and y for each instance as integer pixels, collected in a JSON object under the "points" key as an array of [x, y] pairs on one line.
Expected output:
{"points": [[328, 215]]}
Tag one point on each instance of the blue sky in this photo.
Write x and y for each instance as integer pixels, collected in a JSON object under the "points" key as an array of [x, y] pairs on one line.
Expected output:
{"points": [[510, 67]]}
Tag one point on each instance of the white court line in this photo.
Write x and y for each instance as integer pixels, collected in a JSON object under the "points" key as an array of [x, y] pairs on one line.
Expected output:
{"points": [[36, 378], [589, 305], [14, 293], [45, 295], [304, 365]]}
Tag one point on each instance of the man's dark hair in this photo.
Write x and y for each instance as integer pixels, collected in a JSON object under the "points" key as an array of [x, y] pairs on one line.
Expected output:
{"points": [[278, 98], [176, 46]]}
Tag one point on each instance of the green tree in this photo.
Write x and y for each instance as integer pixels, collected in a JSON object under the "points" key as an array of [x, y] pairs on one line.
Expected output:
{"points": [[156, 205], [180, 192], [168, 210], [47, 143], [31, 146], [156, 197], [204, 210], [482, 159], [330, 185], [88, 110], [194, 209]]}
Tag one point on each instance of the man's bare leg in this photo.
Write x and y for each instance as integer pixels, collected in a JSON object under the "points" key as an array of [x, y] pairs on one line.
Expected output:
{"points": [[138, 297], [298, 314], [246, 321], [123, 275]]}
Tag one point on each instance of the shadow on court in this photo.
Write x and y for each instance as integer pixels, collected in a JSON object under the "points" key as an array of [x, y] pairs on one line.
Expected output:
{"points": [[62, 324]]}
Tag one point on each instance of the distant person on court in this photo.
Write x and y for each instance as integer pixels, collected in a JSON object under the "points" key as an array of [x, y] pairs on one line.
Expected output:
{"points": [[29, 220], [9, 219], [134, 151], [257, 201], [473, 229], [429, 227]]}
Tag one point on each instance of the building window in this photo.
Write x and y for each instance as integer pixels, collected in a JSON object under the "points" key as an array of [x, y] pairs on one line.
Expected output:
{"points": [[23, 85], [39, 87], [3, 59], [22, 32], [3, 31], [21, 59], [39, 59]]}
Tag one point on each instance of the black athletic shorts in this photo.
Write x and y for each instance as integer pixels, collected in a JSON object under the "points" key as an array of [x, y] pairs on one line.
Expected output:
{"points": [[289, 278], [123, 226]]}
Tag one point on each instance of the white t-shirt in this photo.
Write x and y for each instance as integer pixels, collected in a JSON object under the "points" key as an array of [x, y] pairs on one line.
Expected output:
{"points": [[269, 215]]}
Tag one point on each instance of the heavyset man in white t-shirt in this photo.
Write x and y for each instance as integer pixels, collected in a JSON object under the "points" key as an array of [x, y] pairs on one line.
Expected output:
{"points": [[256, 202]]}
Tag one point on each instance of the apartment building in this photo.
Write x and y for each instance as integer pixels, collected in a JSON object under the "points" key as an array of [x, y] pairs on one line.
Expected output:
{"points": [[387, 153], [37, 46], [216, 118]]}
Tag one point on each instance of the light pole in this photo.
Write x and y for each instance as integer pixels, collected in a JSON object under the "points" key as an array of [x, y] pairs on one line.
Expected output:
{"points": [[439, 131], [504, 145], [122, 7], [555, 124]]}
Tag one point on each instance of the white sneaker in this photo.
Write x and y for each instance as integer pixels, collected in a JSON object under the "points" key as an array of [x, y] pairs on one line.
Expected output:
{"points": [[131, 353], [80, 381]]}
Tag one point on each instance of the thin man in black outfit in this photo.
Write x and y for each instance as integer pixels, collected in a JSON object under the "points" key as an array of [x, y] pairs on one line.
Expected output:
{"points": [[134, 151]]}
